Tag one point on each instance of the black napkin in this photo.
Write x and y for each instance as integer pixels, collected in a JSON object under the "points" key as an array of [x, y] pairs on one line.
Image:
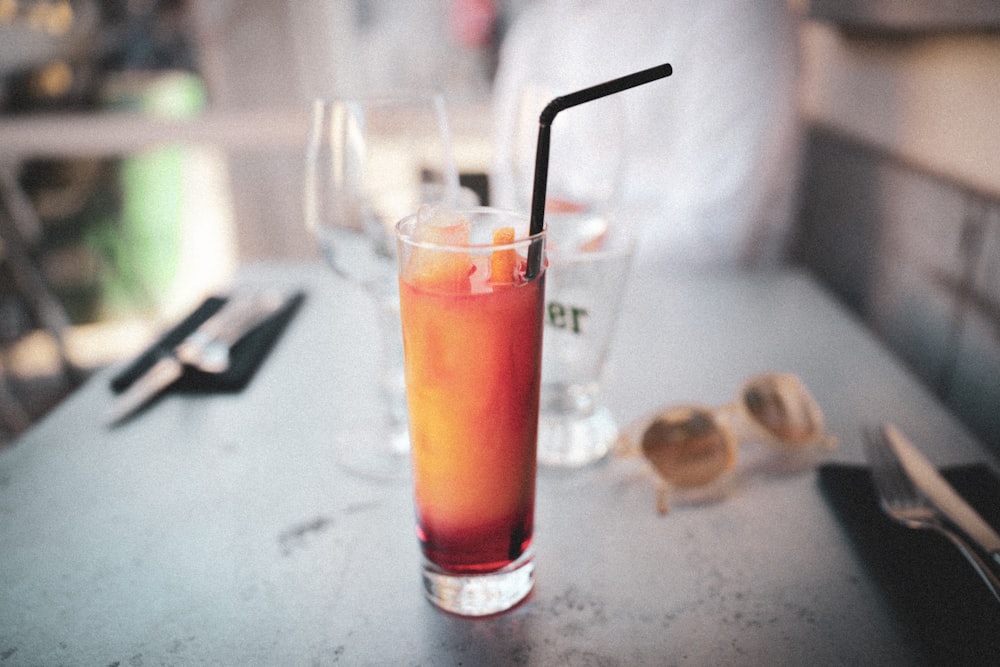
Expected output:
{"points": [[931, 588], [244, 359]]}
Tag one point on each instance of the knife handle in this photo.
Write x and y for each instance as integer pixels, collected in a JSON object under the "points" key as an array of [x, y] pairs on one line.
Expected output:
{"points": [[240, 315]]}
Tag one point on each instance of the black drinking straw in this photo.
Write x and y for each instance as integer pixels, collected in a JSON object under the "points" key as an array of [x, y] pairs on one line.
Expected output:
{"points": [[537, 220]]}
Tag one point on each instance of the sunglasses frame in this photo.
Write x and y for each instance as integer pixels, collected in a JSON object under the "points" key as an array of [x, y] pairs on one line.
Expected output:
{"points": [[792, 444]]}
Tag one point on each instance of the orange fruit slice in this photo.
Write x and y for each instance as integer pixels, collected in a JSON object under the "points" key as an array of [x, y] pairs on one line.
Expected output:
{"points": [[503, 263]]}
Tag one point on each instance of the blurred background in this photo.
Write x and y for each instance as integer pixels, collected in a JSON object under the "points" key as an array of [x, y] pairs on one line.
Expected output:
{"points": [[149, 148]]}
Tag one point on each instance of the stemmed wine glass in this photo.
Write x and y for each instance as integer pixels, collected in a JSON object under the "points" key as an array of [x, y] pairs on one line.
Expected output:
{"points": [[369, 163]]}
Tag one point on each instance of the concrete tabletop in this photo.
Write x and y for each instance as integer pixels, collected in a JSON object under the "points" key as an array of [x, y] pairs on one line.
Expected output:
{"points": [[222, 529]]}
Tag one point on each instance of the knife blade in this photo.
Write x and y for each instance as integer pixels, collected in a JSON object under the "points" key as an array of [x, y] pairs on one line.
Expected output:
{"points": [[206, 348], [937, 489]]}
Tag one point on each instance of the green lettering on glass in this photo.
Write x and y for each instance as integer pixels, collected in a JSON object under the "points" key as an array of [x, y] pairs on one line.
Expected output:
{"points": [[566, 317]]}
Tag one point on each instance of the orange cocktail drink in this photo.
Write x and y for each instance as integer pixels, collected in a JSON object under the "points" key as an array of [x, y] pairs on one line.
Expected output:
{"points": [[472, 330]]}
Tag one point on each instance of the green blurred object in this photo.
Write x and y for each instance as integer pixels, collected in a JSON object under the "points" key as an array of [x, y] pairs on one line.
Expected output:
{"points": [[142, 247]]}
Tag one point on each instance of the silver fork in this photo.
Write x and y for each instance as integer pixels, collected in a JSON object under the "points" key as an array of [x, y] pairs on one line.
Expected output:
{"points": [[904, 503]]}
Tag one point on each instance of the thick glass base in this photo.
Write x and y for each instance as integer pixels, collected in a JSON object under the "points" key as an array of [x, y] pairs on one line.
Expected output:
{"points": [[480, 594], [572, 440]]}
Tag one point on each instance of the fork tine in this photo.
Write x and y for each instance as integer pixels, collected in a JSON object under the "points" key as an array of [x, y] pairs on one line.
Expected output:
{"points": [[895, 490], [875, 452], [903, 502]]}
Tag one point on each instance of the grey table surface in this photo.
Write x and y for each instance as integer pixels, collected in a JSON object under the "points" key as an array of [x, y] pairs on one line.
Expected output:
{"points": [[223, 530]]}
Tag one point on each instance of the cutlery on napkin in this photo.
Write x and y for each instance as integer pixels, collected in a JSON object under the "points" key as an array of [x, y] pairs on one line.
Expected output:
{"points": [[926, 584], [219, 347], [936, 497]]}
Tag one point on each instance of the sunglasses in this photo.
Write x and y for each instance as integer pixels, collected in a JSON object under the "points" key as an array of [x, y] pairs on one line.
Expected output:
{"points": [[693, 449]]}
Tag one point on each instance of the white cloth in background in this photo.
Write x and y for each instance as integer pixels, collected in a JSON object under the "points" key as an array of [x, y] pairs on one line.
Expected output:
{"points": [[711, 153]]}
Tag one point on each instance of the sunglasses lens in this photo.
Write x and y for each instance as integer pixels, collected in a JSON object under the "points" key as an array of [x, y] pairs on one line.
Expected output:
{"points": [[784, 407], [687, 447]]}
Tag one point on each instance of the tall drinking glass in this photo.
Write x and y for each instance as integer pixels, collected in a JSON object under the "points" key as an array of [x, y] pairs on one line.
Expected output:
{"points": [[472, 338], [369, 162]]}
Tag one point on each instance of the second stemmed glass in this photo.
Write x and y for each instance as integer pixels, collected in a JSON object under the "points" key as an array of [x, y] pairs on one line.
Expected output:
{"points": [[369, 163], [589, 248]]}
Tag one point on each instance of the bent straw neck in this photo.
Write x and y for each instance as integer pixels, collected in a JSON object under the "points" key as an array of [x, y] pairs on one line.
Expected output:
{"points": [[537, 220]]}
